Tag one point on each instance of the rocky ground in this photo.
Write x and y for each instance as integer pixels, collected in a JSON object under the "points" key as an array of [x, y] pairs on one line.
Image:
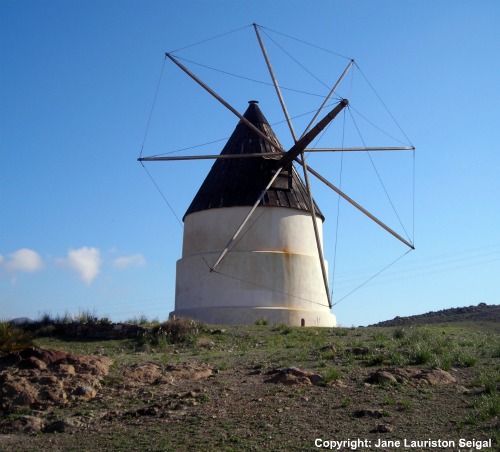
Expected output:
{"points": [[253, 388]]}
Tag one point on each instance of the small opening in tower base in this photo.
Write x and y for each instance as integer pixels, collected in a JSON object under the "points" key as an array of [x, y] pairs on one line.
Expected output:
{"points": [[302, 322]]}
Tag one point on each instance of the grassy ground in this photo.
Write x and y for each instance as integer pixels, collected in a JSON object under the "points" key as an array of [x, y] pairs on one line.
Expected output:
{"points": [[236, 409]]}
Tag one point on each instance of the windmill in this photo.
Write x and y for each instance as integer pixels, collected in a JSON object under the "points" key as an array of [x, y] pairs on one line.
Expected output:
{"points": [[252, 245]]}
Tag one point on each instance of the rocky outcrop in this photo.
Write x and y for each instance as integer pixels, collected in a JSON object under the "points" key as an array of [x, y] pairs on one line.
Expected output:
{"points": [[37, 378], [294, 376], [434, 377]]}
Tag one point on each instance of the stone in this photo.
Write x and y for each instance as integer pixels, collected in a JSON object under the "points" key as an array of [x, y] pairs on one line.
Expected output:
{"points": [[95, 365], [295, 376], [146, 373], [381, 377], [66, 425], [360, 351], [328, 348], [148, 411], [53, 394], [383, 428], [47, 356], [369, 413], [22, 424], [58, 426], [33, 363], [18, 393], [433, 376], [85, 392], [66, 369], [437, 377], [185, 371]]}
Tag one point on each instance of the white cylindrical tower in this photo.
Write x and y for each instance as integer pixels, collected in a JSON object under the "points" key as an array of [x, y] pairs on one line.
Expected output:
{"points": [[272, 270]]}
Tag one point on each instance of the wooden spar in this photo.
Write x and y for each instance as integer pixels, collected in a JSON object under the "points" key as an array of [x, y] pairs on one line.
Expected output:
{"points": [[213, 156], [316, 232], [275, 82], [368, 149], [328, 97], [302, 147], [245, 221], [359, 207], [275, 155], [299, 147], [223, 102]]}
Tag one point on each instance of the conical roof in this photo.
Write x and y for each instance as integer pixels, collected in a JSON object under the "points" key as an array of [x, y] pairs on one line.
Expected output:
{"points": [[240, 181]]}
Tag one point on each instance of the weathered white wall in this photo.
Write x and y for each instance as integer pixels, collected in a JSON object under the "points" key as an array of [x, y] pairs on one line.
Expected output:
{"points": [[272, 272]]}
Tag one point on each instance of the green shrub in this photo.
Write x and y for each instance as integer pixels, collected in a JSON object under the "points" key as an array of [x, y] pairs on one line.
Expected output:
{"points": [[399, 333], [65, 319], [83, 316], [339, 331], [175, 331], [421, 354], [464, 359], [333, 374], [380, 339], [13, 339], [376, 359], [86, 316], [345, 402], [389, 400], [405, 405], [329, 354], [489, 406], [142, 320], [44, 319], [396, 358], [282, 328]]}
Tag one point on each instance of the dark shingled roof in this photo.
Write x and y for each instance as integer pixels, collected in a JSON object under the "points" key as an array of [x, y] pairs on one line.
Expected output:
{"points": [[239, 182]]}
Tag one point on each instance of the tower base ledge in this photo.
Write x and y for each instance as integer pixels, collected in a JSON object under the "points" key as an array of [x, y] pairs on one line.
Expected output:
{"points": [[250, 315]]}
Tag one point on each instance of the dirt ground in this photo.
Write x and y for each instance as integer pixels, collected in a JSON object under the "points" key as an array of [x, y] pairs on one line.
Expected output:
{"points": [[252, 388]]}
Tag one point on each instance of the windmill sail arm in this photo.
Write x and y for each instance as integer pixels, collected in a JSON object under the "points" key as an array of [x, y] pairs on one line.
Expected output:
{"points": [[273, 155], [245, 221], [316, 232], [359, 149], [327, 98], [299, 147], [358, 206], [275, 82]]}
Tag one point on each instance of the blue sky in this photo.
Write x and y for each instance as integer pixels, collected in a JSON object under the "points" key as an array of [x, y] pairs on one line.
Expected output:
{"points": [[83, 227]]}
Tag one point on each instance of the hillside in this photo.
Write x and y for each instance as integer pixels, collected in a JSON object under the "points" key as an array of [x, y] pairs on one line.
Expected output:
{"points": [[482, 313]]}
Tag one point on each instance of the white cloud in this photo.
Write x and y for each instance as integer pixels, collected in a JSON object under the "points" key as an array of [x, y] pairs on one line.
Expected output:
{"points": [[134, 260], [23, 260], [85, 261]]}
